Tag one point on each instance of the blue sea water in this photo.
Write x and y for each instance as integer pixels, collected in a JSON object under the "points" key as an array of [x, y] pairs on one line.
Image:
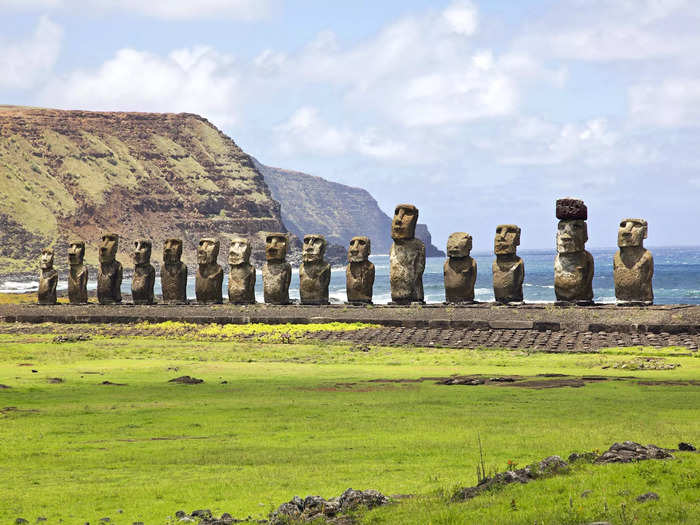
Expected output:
{"points": [[676, 278]]}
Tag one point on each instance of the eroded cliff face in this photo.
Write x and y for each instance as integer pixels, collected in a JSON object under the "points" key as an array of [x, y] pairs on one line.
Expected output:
{"points": [[311, 204], [76, 174]]}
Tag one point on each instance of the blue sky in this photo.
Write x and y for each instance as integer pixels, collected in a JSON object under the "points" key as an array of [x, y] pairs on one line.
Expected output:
{"points": [[479, 112]]}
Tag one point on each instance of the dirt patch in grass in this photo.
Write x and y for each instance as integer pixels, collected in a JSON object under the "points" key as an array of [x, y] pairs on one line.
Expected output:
{"points": [[4, 387], [356, 387], [539, 382], [109, 383], [690, 382], [186, 380], [54, 380]]}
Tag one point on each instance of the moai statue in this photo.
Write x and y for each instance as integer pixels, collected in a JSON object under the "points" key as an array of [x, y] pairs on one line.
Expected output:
{"points": [[241, 279], [508, 268], [633, 265], [407, 257], [277, 273], [78, 275], [314, 272], [359, 274], [144, 273], [48, 278], [210, 276], [109, 276], [173, 273], [573, 265], [459, 269]]}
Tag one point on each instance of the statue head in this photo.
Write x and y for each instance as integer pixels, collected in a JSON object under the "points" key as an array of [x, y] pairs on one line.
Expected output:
{"points": [[76, 253], [108, 247], [207, 251], [172, 251], [403, 226], [459, 244], [142, 251], [359, 249], [239, 251], [314, 248], [632, 232], [46, 259], [507, 239], [572, 235], [276, 247]]}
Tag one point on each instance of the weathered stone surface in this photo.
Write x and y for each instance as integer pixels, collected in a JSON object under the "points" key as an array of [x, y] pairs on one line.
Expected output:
{"points": [[173, 273], [144, 278], [241, 279], [109, 275], [629, 451], [48, 278], [568, 209], [78, 275], [460, 269], [407, 257], [210, 276], [508, 269], [573, 265], [633, 265], [314, 508], [277, 272], [549, 466], [359, 273], [314, 272]]}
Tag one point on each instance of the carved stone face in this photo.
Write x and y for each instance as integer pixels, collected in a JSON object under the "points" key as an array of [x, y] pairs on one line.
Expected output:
{"points": [[359, 249], [207, 251], [632, 232], [76, 252], [459, 244], [507, 239], [239, 252], [108, 247], [46, 260], [572, 235], [142, 251], [276, 247], [314, 248], [403, 226], [172, 251]]}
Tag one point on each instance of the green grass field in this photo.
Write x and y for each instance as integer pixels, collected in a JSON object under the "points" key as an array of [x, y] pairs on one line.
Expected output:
{"points": [[272, 421]]}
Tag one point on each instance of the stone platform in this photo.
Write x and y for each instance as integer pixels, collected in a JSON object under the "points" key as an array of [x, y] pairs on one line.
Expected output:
{"points": [[661, 319]]}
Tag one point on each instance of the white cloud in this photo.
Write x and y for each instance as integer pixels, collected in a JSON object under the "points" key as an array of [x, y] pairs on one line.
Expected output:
{"points": [[197, 80], [165, 9], [673, 102], [25, 63], [306, 131], [611, 30]]}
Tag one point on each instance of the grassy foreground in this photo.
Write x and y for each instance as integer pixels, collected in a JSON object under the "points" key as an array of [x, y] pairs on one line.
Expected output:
{"points": [[272, 421]]}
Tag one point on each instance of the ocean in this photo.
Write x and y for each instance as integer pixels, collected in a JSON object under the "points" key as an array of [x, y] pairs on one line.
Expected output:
{"points": [[676, 278]]}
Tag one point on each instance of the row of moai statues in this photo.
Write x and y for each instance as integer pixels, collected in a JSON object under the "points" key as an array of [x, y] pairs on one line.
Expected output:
{"points": [[633, 265], [573, 267]]}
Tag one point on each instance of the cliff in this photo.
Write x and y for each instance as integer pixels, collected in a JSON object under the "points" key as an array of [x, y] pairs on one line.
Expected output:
{"points": [[76, 174], [311, 204]]}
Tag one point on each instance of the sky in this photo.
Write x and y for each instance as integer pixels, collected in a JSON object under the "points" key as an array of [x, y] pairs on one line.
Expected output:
{"points": [[478, 112]]}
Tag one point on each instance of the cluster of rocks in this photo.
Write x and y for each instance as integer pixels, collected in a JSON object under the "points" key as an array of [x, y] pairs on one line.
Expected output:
{"points": [[548, 466], [315, 507], [573, 267], [629, 451], [298, 510], [625, 452]]}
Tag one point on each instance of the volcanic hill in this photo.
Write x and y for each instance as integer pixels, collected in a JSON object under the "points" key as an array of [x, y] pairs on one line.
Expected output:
{"points": [[76, 174], [339, 212]]}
